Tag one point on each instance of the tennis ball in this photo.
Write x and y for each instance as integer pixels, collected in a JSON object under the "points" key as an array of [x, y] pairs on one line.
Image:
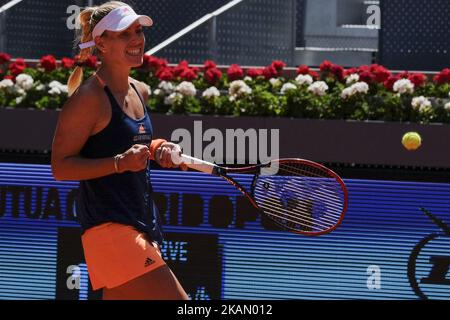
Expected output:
{"points": [[411, 141]]}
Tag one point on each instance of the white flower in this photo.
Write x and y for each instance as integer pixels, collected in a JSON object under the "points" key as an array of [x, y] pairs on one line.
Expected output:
{"points": [[64, 88], [40, 87], [421, 104], [186, 89], [237, 89], [166, 86], [275, 82], [6, 83], [57, 88], [55, 84], [24, 81], [319, 88], [304, 79], [359, 87], [404, 86], [447, 106], [54, 91], [348, 92], [211, 92], [157, 92], [174, 98], [248, 79], [19, 99], [18, 90], [288, 86], [354, 77]]}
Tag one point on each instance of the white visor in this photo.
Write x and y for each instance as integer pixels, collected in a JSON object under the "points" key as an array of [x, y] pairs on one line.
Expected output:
{"points": [[117, 20]]}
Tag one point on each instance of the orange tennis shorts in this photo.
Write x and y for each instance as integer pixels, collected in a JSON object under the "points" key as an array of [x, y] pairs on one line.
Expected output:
{"points": [[117, 253]]}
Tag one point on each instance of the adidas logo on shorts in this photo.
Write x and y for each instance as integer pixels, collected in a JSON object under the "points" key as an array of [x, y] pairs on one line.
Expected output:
{"points": [[148, 262]]}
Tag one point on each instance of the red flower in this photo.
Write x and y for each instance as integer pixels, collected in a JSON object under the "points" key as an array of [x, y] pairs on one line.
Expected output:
{"points": [[278, 65], [443, 77], [17, 67], [254, 73], [165, 74], [381, 73], [235, 72], [163, 63], [418, 79], [303, 69], [338, 71], [195, 69], [4, 58], [153, 63], [209, 64], [146, 61], [334, 69], [363, 68], [326, 66], [67, 63], [48, 62], [270, 72], [314, 74], [403, 75], [389, 83], [188, 74], [367, 77], [180, 68], [213, 76], [10, 77], [351, 71], [183, 63], [91, 62]]}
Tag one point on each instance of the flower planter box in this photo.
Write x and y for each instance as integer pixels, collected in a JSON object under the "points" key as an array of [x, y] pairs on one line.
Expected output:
{"points": [[330, 141]]}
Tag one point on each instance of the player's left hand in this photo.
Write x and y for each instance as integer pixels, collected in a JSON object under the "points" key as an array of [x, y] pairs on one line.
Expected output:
{"points": [[163, 155]]}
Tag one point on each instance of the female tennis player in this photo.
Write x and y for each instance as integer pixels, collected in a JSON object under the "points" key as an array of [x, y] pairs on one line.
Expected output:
{"points": [[104, 139]]}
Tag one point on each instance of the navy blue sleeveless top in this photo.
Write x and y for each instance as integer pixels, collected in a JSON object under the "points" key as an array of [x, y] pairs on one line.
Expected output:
{"points": [[124, 198]]}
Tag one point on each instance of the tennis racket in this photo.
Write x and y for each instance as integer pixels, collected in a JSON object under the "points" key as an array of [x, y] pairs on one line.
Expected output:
{"points": [[299, 195]]}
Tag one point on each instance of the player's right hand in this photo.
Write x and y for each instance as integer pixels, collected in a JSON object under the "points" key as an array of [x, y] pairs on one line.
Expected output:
{"points": [[134, 159]]}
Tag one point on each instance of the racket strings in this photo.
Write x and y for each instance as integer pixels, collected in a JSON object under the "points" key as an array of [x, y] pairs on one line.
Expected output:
{"points": [[318, 194], [300, 214], [330, 204], [299, 172], [301, 197], [300, 219]]}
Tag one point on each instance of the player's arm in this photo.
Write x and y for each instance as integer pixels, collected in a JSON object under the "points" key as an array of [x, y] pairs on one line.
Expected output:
{"points": [[76, 123]]}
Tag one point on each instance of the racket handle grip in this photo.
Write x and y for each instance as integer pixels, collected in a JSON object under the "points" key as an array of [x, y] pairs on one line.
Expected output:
{"points": [[194, 163]]}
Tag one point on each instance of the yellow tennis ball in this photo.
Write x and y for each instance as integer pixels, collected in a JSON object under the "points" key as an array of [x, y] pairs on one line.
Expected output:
{"points": [[411, 141]]}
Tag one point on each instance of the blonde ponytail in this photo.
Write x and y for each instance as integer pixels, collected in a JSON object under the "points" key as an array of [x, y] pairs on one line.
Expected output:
{"points": [[88, 18], [76, 77]]}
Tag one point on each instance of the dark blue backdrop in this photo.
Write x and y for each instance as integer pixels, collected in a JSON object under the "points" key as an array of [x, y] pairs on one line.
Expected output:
{"points": [[386, 248]]}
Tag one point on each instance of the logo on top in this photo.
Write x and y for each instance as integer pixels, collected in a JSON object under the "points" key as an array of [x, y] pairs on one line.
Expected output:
{"points": [[141, 128]]}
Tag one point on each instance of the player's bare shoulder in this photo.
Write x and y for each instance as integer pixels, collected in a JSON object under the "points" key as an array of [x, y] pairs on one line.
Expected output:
{"points": [[88, 97], [88, 105]]}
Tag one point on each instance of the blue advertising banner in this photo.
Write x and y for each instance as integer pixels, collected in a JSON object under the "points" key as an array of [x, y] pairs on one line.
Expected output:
{"points": [[220, 248]]}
